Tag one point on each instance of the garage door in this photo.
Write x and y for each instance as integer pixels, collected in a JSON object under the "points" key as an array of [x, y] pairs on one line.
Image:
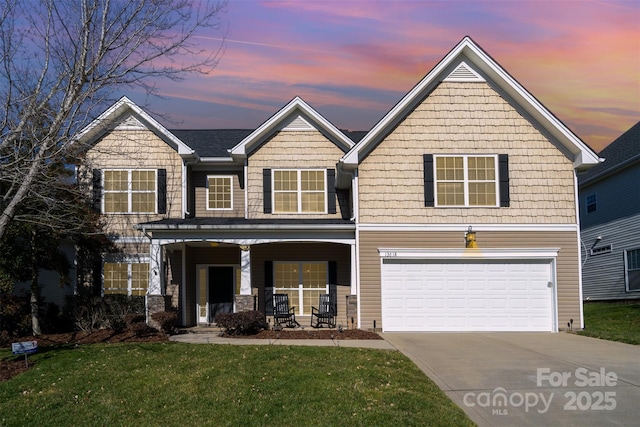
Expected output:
{"points": [[423, 295]]}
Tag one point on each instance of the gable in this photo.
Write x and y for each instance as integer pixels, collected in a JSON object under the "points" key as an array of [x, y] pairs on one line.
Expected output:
{"points": [[468, 62]]}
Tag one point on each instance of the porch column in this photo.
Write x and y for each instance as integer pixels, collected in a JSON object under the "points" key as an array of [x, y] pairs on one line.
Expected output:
{"points": [[245, 269], [354, 276], [155, 269]]}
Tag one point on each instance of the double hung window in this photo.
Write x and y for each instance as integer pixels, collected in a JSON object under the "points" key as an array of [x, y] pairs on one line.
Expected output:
{"points": [[130, 191], [466, 180]]}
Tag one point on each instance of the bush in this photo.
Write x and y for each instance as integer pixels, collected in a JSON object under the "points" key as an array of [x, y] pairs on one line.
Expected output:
{"points": [[243, 323], [109, 312], [166, 320], [15, 315]]}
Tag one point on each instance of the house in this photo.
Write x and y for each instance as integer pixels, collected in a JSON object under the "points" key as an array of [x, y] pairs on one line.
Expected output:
{"points": [[213, 221], [610, 221]]}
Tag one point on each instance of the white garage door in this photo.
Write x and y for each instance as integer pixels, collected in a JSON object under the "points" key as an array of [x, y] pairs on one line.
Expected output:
{"points": [[423, 295]]}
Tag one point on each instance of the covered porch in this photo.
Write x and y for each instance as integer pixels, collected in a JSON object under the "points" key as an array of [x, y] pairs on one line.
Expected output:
{"points": [[208, 266]]}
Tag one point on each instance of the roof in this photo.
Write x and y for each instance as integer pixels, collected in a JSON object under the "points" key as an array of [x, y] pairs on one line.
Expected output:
{"points": [[114, 115], [204, 223], [211, 142], [468, 61], [622, 152], [295, 107]]}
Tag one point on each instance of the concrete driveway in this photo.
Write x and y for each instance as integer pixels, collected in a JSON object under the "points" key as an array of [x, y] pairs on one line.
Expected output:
{"points": [[508, 379]]}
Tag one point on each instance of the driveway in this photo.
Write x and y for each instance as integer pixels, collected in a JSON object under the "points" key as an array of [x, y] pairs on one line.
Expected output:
{"points": [[508, 379]]}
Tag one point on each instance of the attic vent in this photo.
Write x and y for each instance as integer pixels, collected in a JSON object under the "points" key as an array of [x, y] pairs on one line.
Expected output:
{"points": [[601, 250], [297, 123], [130, 123], [463, 73]]}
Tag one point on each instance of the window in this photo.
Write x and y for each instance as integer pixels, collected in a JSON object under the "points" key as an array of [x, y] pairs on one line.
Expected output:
{"points": [[219, 192], [127, 278], [302, 281], [299, 191], [466, 180], [591, 202], [632, 271], [130, 191]]}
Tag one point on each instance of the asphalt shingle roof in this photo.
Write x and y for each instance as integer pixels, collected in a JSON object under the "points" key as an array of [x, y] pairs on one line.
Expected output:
{"points": [[212, 142], [625, 149], [216, 142]]}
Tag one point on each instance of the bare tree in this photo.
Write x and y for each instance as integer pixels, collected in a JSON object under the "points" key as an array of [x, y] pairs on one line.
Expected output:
{"points": [[62, 61]]}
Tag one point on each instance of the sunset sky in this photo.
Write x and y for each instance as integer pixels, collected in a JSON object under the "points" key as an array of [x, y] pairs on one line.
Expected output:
{"points": [[353, 60]]}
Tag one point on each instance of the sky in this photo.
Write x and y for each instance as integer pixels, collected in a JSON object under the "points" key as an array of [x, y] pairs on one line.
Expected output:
{"points": [[353, 60]]}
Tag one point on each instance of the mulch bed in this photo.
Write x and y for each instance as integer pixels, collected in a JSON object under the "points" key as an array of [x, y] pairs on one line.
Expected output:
{"points": [[311, 334]]}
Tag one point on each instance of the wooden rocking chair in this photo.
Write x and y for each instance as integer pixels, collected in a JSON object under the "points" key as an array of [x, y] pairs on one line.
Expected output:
{"points": [[325, 313], [283, 315]]}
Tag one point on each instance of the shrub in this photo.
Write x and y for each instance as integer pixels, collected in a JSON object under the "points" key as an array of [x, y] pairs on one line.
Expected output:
{"points": [[243, 323], [109, 312], [166, 320]]}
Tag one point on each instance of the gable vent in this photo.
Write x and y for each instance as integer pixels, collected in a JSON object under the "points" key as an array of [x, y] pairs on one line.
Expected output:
{"points": [[463, 73], [130, 123], [297, 123]]}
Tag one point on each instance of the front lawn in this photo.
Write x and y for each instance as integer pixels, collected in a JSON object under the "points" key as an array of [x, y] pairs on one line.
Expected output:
{"points": [[182, 384], [614, 321]]}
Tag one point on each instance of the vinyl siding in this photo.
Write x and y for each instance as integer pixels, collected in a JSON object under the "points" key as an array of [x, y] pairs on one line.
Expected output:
{"points": [[138, 149], [289, 150], [603, 276], [466, 118], [566, 268], [618, 196], [198, 196]]}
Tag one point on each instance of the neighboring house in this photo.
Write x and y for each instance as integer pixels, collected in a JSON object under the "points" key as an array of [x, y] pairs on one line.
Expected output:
{"points": [[219, 220], [610, 221]]}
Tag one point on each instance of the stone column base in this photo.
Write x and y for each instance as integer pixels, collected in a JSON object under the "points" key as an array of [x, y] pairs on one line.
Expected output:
{"points": [[245, 303]]}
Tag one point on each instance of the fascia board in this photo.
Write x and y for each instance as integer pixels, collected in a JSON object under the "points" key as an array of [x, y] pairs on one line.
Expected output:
{"points": [[240, 150]]}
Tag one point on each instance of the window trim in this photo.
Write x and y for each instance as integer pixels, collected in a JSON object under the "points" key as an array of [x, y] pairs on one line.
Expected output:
{"points": [[129, 260], [466, 182], [299, 191], [129, 190], [626, 269], [593, 203], [208, 207], [297, 304]]}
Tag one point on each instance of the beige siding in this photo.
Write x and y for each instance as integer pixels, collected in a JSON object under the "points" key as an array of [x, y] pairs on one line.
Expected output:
{"points": [[138, 149], [198, 184], [566, 268], [303, 252], [466, 118], [289, 150]]}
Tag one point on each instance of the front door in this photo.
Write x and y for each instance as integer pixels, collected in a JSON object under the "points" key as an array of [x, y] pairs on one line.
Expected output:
{"points": [[221, 291]]}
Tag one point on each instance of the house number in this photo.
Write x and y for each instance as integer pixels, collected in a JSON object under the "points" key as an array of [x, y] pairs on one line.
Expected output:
{"points": [[389, 254]]}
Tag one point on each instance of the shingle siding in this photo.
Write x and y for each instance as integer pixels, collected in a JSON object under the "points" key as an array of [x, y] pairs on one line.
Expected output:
{"points": [[466, 118]]}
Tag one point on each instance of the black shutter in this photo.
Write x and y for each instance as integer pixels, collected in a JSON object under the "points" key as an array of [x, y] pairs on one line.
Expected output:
{"points": [[266, 189], [331, 191], [268, 288], [162, 191], [503, 168], [97, 190], [333, 282], [429, 197]]}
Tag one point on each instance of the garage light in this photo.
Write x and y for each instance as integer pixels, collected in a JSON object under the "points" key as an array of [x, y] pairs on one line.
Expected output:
{"points": [[470, 238]]}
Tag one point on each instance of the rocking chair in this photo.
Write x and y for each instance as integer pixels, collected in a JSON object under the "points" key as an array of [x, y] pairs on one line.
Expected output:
{"points": [[325, 313], [283, 315]]}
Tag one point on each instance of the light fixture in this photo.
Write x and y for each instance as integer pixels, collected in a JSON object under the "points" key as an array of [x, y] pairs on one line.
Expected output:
{"points": [[470, 238]]}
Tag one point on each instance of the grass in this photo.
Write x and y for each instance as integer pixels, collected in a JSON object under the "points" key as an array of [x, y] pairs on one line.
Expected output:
{"points": [[614, 321], [177, 384]]}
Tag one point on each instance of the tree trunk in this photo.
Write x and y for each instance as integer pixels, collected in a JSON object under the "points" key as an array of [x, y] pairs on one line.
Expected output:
{"points": [[35, 288]]}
